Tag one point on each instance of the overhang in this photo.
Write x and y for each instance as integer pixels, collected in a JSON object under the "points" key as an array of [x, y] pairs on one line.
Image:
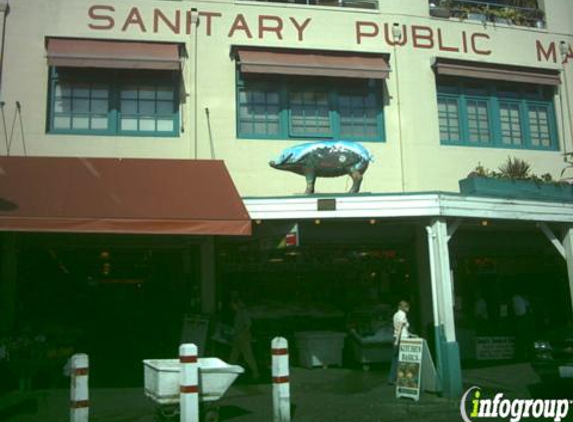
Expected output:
{"points": [[101, 195], [73, 52], [429, 205]]}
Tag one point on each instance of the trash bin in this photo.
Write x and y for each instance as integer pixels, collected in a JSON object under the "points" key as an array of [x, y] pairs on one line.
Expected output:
{"points": [[320, 348]]}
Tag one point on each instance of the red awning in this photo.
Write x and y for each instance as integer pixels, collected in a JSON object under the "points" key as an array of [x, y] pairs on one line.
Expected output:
{"points": [[73, 52], [497, 72], [313, 63], [195, 197]]}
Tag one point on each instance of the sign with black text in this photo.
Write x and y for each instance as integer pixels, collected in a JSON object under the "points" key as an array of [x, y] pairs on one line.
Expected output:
{"points": [[409, 368]]}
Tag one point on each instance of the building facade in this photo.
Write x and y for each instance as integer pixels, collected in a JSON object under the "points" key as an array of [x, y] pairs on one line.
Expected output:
{"points": [[425, 131], [431, 92]]}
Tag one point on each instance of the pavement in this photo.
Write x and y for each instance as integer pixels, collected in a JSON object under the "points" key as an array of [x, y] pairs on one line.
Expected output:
{"points": [[318, 395]]}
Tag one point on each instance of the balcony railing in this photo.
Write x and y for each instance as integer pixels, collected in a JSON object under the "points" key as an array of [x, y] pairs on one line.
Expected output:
{"points": [[509, 12], [359, 4]]}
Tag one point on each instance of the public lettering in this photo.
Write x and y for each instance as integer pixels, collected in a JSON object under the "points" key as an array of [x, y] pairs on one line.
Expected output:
{"points": [[361, 26], [209, 17], [543, 54], [94, 14], [475, 47], [134, 18], [442, 46], [174, 26], [300, 28], [240, 24], [275, 28], [422, 37], [389, 36]]}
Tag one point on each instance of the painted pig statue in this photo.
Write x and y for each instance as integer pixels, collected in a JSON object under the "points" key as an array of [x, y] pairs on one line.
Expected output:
{"points": [[325, 159]]}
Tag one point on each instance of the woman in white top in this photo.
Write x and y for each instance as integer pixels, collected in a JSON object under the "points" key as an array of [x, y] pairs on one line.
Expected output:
{"points": [[401, 331]]}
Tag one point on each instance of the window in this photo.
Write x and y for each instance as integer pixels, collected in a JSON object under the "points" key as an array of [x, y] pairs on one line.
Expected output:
{"points": [[280, 107], [496, 114], [106, 102]]}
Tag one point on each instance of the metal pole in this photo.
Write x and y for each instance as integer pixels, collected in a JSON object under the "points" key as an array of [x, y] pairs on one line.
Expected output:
{"points": [[281, 383], [79, 394], [189, 383]]}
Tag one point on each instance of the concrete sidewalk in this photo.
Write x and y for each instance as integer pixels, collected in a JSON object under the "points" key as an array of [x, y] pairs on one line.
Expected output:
{"points": [[319, 395]]}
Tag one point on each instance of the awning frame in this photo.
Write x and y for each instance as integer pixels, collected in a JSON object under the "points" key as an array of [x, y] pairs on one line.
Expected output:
{"points": [[494, 71]]}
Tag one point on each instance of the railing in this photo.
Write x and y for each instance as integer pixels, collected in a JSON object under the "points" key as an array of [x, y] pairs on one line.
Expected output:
{"points": [[497, 11], [359, 4]]}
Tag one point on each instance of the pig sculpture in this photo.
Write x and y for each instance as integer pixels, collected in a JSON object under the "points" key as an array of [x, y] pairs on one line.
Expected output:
{"points": [[325, 159]]}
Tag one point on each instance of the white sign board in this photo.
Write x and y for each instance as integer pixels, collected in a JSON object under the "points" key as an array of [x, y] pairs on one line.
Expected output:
{"points": [[495, 348], [409, 368]]}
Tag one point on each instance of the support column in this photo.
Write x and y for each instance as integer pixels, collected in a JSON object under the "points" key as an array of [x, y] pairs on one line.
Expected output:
{"points": [[8, 279], [208, 287], [449, 365], [568, 245]]}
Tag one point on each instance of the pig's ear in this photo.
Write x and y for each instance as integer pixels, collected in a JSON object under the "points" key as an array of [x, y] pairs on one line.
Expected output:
{"points": [[287, 158]]}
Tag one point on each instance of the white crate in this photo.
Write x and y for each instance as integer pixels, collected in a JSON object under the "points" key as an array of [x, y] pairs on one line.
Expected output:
{"points": [[161, 379], [320, 348]]}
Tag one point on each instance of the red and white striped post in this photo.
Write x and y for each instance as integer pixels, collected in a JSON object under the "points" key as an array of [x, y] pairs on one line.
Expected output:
{"points": [[189, 383], [79, 394], [281, 383]]}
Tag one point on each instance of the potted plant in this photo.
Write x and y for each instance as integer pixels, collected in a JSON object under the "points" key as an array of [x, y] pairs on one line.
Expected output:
{"points": [[505, 16], [476, 13], [514, 179], [441, 8]]}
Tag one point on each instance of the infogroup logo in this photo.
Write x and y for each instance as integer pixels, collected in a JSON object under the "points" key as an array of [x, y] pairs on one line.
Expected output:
{"points": [[513, 410]]}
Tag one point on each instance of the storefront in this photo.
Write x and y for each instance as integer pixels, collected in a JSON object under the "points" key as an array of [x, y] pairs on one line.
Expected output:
{"points": [[107, 256]]}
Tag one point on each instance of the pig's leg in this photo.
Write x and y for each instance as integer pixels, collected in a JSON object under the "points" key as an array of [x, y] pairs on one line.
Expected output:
{"points": [[310, 180], [357, 181]]}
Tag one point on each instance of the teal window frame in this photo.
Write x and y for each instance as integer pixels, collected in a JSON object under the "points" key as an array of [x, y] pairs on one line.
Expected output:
{"points": [[525, 96], [284, 85], [115, 80]]}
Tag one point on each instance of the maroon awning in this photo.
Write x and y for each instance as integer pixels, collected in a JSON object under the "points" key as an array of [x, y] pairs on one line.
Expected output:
{"points": [[93, 195], [313, 63], [73, 52], [497, 72]]}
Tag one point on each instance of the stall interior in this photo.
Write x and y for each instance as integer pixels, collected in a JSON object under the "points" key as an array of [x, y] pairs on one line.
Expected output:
{"points": [[118, 298], [326, 279]]}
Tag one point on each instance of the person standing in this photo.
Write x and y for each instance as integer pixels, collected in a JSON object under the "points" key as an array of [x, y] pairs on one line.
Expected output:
{"points": [[523, 326], [401, 331], [242, 337]]}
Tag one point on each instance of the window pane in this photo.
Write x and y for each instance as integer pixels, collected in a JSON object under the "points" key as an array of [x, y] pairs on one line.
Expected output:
{"points": [[80, 122], [449, 119], [165, 107], [129, 106], [165, 125], [81, 90], [147, 124], [128, 123], [478, 121], [61, 106], [62, 89], [539, 126], [80, 106], [357, 113], [99, 106], [259, 110], [165, 93], [99, 123], [100, 91], [309, 113], [129, 92], [147, 107], [62, 122], [510, 121], [146, 92]]}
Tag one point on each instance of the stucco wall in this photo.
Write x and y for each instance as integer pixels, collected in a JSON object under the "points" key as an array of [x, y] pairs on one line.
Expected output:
{"points": [[412, 149]]}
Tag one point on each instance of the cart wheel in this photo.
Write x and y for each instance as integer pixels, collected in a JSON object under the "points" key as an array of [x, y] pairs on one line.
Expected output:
{"points": [[211, 415], [366, 368], [166, 414]]}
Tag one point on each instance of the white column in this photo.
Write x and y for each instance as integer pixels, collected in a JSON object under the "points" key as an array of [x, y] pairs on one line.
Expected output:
{"points": [[281, 382], [445, 285], [189, 383], [79, 394], [568, 245], [208, 287]]}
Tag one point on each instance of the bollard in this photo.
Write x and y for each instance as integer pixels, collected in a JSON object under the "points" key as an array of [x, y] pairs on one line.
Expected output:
{"points": [[189, 383], [79, 395], [281, 384]]}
